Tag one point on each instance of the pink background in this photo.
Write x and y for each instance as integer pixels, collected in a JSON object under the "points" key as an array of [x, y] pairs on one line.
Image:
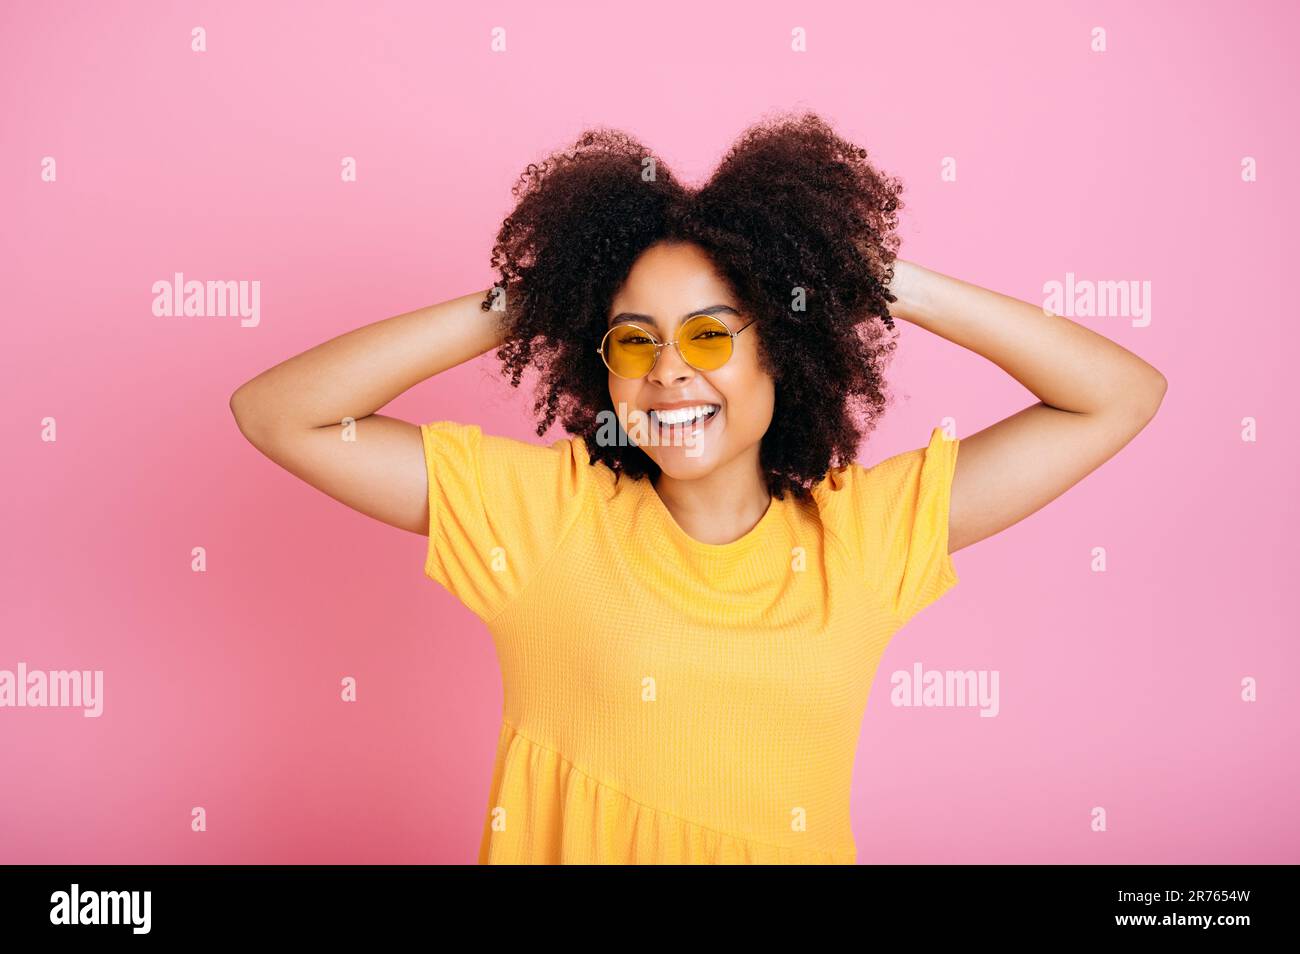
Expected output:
{"points": [[1118, 689]]}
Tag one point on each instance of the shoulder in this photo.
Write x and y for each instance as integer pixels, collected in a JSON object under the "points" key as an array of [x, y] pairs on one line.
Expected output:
{"points": [[903, 494], [878, 482], [454, 449], [892, 518], [500, 509]]}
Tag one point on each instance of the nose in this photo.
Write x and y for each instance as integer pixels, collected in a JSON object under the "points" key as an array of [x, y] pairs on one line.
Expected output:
{"points": [[670, 369]]}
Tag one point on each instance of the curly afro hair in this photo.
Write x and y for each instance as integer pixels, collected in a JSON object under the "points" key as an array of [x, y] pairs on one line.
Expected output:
{"points": [[795, 218]]}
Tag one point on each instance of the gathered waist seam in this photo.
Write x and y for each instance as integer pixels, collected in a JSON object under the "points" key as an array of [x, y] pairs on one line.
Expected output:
{"points": [[686, 821]]}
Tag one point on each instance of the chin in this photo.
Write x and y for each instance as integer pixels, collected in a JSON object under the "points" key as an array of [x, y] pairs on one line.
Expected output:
{"points": [[689, 470], [677, 462]]}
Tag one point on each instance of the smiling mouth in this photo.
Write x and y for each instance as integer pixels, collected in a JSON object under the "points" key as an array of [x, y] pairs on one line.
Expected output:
{"points": [[684, 416]]}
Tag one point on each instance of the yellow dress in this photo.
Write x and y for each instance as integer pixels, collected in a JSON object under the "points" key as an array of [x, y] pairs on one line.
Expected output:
{"points": [[669, 701]]}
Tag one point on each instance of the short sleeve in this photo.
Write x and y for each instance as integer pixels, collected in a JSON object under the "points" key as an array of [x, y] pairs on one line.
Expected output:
{"points": [[893, 518], [498, 510]]}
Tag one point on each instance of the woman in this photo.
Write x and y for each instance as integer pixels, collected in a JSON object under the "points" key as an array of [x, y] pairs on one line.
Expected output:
{"points": [[690, 594]]}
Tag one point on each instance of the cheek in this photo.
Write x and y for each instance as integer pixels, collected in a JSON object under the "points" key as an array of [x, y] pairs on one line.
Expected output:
{"points": [[622, 395], [751, 399]]}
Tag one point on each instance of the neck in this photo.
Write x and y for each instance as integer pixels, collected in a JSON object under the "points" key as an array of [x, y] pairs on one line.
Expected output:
{"points": [[722, 506]]}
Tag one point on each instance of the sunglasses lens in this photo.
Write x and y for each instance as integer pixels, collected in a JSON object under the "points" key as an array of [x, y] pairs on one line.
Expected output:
{"points": [[705, 342], [629, 351]]}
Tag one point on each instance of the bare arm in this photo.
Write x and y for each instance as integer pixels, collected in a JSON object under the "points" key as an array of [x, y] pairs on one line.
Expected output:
{"points": [[1094, 397], [294, 412]]}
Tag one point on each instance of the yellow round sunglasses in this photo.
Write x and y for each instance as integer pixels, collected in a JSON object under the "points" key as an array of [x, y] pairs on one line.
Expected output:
{"points": [[703, 341]]}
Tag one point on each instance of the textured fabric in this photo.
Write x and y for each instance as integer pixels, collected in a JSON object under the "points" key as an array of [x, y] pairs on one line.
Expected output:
{"points": [[668, 700]]}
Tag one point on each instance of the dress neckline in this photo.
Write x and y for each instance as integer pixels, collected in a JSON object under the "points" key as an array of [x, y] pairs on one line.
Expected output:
{"points": [[671, 527]]}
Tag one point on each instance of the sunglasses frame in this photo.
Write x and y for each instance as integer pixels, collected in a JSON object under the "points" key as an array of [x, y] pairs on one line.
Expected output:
{"points": [[660, 345]]}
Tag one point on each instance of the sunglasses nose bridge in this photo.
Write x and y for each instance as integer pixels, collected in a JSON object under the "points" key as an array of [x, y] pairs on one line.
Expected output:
{"points": [[659, 365]]}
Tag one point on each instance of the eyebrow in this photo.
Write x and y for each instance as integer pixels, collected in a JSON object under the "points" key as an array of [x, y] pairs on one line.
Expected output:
{"points": [[648, 320]]}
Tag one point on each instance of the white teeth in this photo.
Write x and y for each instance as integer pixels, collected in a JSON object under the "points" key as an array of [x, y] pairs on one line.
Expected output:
{"points": [[682, 415]]}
